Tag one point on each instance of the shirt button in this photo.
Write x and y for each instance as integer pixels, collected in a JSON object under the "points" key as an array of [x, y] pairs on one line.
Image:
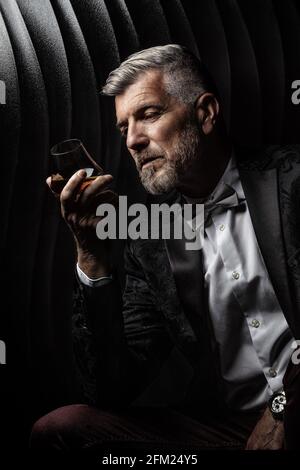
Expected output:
{"points": [[235, 275], [272, 372], [222, 227], [255, 323]]}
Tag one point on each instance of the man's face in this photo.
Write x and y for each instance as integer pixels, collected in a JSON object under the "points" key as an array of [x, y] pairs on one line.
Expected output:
{"points": [[161, 133]]}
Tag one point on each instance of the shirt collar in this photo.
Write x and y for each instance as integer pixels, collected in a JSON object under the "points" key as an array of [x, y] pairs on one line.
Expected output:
{"points": [[230, 177]]}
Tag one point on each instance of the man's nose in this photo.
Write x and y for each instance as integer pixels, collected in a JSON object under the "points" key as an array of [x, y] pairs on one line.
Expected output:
{"points": [[136, 139]]}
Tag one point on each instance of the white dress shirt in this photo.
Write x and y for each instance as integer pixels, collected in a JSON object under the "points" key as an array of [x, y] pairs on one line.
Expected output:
{"points": [[96, 282], [253, 337]]}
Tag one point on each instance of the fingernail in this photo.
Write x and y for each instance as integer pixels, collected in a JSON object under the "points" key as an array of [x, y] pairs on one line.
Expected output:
{"points": [[82, 173]]}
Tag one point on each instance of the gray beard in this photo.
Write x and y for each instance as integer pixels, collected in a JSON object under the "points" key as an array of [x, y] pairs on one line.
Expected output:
{"points": [[169, 175]]}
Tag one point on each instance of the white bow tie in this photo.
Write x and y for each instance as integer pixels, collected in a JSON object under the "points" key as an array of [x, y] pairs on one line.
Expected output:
{"points": [[225, 197]]}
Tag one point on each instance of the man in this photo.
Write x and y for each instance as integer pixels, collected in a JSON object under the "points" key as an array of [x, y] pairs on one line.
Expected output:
{"points": [[230, 308]]}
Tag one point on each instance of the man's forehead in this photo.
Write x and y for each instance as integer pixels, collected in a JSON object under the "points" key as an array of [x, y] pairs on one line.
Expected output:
{"points": [[148, 86]]}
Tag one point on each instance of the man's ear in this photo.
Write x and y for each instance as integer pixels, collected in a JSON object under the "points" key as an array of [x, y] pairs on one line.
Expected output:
{"points": [[207, 110]]}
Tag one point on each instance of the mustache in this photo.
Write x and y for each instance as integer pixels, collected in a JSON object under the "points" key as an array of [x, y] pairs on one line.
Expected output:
{"points": [[142, 158]]}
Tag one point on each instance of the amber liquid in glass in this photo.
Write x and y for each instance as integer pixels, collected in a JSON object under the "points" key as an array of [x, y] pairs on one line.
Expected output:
{"points": [[58, 183], [67, 157]]}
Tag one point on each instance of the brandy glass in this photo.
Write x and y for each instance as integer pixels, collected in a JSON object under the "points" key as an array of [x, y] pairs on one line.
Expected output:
{"points": [[67, 157]]}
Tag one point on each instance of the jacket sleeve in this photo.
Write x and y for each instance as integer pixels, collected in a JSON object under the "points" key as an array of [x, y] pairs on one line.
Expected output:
{"points": [[119, 343]]}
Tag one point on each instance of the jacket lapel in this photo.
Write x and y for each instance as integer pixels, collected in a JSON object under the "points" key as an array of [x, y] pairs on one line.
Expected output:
{"points": [[289, 184], [187, 269], [186, 272], [262, 195]]}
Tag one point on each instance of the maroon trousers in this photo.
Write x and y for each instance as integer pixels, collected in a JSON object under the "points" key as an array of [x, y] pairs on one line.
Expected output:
{"points": [[83, 427], [78, 427]]}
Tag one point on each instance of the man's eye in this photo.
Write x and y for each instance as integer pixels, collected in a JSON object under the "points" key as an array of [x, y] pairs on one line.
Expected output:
{"points": [[151, 115], [124, 132]]}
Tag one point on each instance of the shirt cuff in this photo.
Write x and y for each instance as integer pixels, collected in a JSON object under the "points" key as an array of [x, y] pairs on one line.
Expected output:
{"points": [[87, 281]]}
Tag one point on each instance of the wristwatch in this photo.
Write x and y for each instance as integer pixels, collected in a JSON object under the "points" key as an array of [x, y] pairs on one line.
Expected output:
{"points": [[276, 404]]}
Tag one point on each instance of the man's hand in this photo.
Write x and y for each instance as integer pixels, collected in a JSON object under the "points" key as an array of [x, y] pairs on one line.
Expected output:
{"points": [[78, 208], [268, 434]]}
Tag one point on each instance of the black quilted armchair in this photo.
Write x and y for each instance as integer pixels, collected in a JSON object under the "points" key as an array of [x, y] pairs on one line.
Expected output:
{"points": [[54, 58]]}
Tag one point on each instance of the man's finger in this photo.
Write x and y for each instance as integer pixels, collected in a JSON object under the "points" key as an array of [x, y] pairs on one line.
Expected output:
{"points": [[95, 188], [49, 184], [71, 189], [105, 197]]}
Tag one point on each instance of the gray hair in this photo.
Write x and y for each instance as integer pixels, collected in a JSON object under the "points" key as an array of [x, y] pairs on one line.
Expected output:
{"points": [[186, 77]]}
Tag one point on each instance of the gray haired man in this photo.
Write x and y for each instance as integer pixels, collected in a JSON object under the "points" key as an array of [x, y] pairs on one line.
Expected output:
{"points": [[230, 310]]}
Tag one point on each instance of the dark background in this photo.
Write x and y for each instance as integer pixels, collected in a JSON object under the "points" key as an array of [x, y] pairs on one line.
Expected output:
{"points": [[54, 58]]}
